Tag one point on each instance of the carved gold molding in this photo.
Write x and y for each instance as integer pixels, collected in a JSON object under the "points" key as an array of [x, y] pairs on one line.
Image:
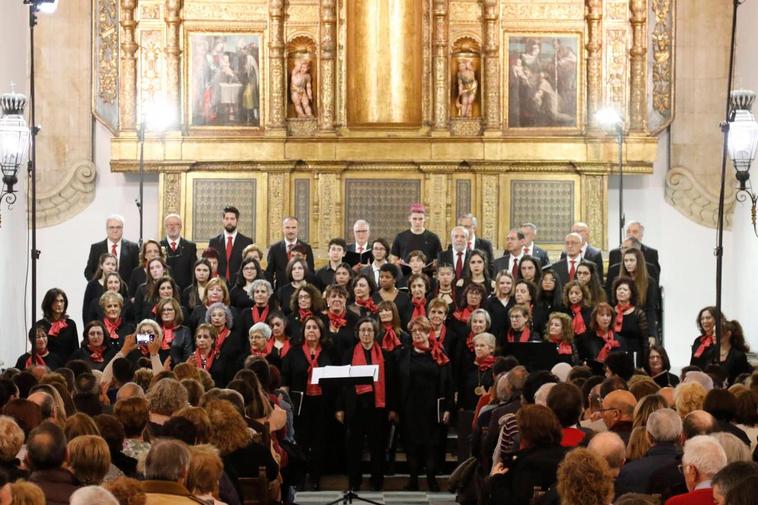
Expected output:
{"points": [[696, 201], [491, 59], [327, 67], [440, 12], [662, 69], [638, 10], [594, 59], [173, 61], [128, 74], [278, 73]]}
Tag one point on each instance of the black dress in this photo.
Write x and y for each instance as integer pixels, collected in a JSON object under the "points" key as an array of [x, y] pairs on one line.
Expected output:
{"points": [[51, 361], [402, 302], [343, 339], [92, 292], [63, 343], [468, 377], [736, 363], [501, 322], [634, 332], [283, 297], [424, 391], [125, 329], [406, 242], [239, 298], [84, 354], [590, 344], [706, 357]]}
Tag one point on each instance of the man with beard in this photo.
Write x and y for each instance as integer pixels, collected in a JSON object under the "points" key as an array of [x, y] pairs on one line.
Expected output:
{"points": [[229, 245]]}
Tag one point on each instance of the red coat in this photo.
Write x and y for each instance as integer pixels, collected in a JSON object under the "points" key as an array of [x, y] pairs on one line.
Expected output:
{"points": [[697, 497]]}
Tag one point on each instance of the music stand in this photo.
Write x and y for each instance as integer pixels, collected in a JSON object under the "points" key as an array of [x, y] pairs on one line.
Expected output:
{"points": [[346, 376], [533, 355]]}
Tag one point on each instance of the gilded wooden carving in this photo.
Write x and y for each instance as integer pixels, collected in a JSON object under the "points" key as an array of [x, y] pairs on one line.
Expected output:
{"points": [[128, 74], [638, 52], [594, 58], [105, 62], [383, 203], [661, 67]]}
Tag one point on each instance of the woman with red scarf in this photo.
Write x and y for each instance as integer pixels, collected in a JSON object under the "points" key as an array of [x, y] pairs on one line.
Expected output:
{"points": [[465, 369], [40, 355], [228, 342], [476, 271], [576, 305], [263, 304], [391, 336], [419, 286], [363, 304], [143, 297], [106, 264], [216, 291], [116, 326], [94, 350], [600, 341], [521, 330], [114, 283], [313, 404], [177, 338], [704, 346], [279, 344], [473, 298], [438, 312], [297, 275], [62, 337], [306, 301], [163, 289], [425, 398], [258, 336], [388, 292], [629, 322], [560, 331], [205, 355], [338, 321], [367, 408]]}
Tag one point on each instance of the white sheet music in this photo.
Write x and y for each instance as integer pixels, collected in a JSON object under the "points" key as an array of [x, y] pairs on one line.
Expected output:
{"points": [[344, 372]]}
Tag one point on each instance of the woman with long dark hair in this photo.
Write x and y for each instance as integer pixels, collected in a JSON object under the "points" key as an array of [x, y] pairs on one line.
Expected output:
{"points": [[658, 365], [62, 337], [306, 301], [192, 296], [476, 271], [143, 302], [630, 322], [548, 298], [733, 352], [704, 348], [95, 350], [530, 269], [391, 335], [633, 266], [576, 305], [585, 274], [597, 343], [241, 292], [297, 275], [177, 338], [151, 249], [107, 263]]}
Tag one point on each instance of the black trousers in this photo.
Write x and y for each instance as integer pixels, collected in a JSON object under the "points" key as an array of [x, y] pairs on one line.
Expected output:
{"points": [[310, 427], [366, 423]]}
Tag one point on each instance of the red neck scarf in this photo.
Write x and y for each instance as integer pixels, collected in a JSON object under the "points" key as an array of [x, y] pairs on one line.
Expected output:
{"points": [[303, 313], [282, 351], [705, 342], [485, 363], [168, 336], [35, 359], [419, 308], [464, 314], [368, 304], [96, 353], [525, 335], [431, 345], [112, 327], [620, 309], [563, 347], [610, 344], [578, 320], [337, 320], [390, 342], [220, 339], [443, 333], [57, 326], [154, 310], [258, 315], [204, 363], [311, 389], [261, 354], [470, 341], [359, 358]]}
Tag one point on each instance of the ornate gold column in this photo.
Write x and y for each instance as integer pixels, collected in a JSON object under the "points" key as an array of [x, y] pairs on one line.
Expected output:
{"points": [[490, 52], [277, 102], [173, 62], [638, 9], [440, 70], [594, 187], [594, 59], [327, 65], [127, 100]]}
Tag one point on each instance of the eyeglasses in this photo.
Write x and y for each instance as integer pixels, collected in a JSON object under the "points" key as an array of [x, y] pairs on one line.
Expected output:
{"points": [[361, 231], [366, 331]]}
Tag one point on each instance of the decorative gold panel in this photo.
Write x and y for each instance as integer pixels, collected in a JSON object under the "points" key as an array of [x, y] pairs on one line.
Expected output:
{"points": [[383, 203], [548, 204], [303, 207], [462, 197], [661, 68], [210, 196], [105, 62]]}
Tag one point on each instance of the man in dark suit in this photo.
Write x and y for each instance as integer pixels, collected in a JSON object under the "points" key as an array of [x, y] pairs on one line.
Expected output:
{"points": [[361, 231], [471, 224], [181, 254], [279, 254], [588, 253], [510, 261], [565, 268], [127, 252], [457, 254], [530, 248], [653, 270], [635, 230], [229, 245]]}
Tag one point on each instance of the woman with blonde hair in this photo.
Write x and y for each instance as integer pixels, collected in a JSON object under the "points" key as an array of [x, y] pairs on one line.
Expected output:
{"points": [[638, 441], [689, 396], [27, 493], [560, 331], [89, 459], [584, 478], [205, 470]]}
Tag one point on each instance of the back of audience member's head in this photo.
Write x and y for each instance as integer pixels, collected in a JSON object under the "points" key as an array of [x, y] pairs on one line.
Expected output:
{"points": [[64, 402], [620, 364], [86, 383], [45, 401], [698, 422], [540, 396], [611, 384], [228, 428], [167, 460], [622, 401], [584, 478], [112, 432], [80, 424], [199, 418], [127, 491], [180, 428], [587, 388], [194, 391], [689, 397], [637, 499], [718, 374], [609, 446], [8, 390], [78, 367], [11, 439], [646, 406], [243, 388], [728, 477], [721, 404], [92, 495], [186, 371], [538, 426], [747, 408], [89, 459], [26, 493], [664, 426], [561, 370], [565, 400], [504, 364], [260, 368], [143, 377], [133, 413], [27, 414], [735, 449], [642, 388], [205, 470], [579, 372], [89, 403], [123, 370], [24, 382], [163, 374], [705, 454], [166, 397], [744, 492], [534, 381], [46, 447], [701, 378], [130, 390]]}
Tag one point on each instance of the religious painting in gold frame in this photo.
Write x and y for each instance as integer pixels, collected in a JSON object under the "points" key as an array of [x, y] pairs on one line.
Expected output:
{"points": [[544, 83], [224, 79]]}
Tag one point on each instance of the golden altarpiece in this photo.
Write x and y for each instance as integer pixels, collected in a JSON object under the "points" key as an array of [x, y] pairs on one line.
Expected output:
{"points": [[332, 110]]}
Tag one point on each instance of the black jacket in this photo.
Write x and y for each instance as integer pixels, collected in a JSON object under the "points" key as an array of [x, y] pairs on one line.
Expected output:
{"points": [[128, 259]]}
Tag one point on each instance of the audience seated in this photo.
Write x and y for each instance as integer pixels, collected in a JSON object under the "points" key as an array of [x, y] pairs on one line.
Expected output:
{"points": [[703, 458], [46, 458]]}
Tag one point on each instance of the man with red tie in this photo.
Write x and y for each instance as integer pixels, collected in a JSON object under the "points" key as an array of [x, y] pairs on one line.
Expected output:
{"points": [[566, 267], [229, 245], [361, 231], [181, 254], [514, 252], [127, 252], [281, 252], [457, 254]]}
